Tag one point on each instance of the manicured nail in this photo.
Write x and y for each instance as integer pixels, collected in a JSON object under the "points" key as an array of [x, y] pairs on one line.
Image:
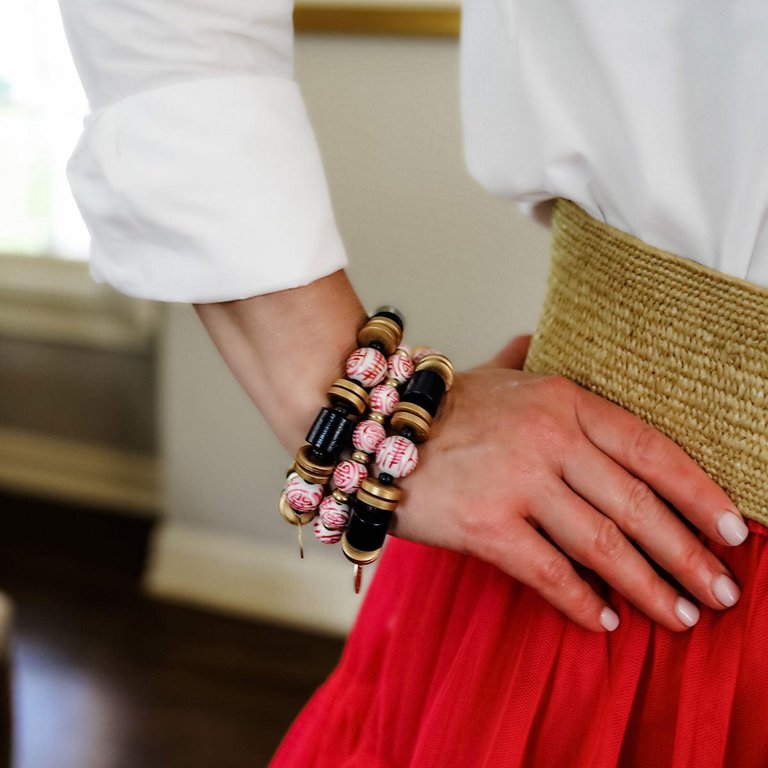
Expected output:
{"points": [[609, 619], [686, 611], [732, 528], [725, 590]]}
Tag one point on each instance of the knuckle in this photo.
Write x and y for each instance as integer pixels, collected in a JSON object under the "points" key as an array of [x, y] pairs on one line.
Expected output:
{"points": [[640, 507], [582, 601], [554, 573], [690, 561], [608, 540], [645, 446]]}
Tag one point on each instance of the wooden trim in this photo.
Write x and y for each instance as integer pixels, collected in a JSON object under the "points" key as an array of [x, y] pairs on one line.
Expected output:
{"points": [[246, 577], [74, 471], [385, 20]]}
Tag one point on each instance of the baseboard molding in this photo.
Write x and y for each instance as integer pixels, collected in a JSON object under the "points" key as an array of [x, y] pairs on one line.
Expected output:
{"points": [[245, 577], [77, 472]]}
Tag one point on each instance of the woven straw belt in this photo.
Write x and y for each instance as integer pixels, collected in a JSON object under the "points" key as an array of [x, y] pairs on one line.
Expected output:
{"points": [[680, 345]]}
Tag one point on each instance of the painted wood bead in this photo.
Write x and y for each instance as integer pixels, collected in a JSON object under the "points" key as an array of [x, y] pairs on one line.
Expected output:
{"points": [[400, 368], [397, 456], [323, 534], [384, 399], [419, 352], [301, 495], [334, 514], [348, 475], [367, 366], [368, 436]]}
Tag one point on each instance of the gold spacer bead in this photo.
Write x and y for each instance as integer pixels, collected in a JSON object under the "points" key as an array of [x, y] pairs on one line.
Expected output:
{"points": [[414, 416], [309, 469], [402, 352], [382, 329], [357, 556], [378, 495], [340, 495], [361, 457], [349, 392], [438, 362], [379, 418], [394, 383], [291, 515]]}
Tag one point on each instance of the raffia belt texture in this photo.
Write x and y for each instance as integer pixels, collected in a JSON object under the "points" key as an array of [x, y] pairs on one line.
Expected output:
{"points": [[679, 344]]}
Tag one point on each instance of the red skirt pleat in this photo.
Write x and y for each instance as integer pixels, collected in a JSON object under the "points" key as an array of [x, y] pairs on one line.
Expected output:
{"points": [[452, 663]]}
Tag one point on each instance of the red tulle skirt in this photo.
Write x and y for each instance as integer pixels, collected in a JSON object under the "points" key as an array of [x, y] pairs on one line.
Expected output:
{"points": [[453, 664]]}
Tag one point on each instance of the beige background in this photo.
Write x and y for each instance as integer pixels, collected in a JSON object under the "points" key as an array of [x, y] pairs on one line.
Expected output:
{"points": [[467, 270]]}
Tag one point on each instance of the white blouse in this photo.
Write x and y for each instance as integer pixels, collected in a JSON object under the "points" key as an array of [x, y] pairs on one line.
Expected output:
{"points": [[199, 177]]}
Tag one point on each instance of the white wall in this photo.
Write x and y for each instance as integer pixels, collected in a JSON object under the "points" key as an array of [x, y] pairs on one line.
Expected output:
{"points": [[466, 269]]}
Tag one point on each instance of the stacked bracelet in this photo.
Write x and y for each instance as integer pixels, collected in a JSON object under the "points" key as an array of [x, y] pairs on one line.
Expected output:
{"points": [[333, 427], [358, 509]]}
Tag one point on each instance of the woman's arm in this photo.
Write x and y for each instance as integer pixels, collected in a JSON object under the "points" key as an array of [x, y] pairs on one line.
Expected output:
{"points": [[492, 476]]}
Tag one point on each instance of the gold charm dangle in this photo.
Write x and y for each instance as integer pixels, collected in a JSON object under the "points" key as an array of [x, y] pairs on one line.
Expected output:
{"points": [[358, 575]]}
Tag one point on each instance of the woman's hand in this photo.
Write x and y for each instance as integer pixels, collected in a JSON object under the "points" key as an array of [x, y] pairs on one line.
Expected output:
{"points": [[518, 461]]}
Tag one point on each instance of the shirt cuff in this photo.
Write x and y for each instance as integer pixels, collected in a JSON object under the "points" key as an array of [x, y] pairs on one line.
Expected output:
{"points": [[203, 191]]}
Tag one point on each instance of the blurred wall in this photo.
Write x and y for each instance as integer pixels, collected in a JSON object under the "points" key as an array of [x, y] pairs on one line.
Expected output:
{"points": [[467, 270]]}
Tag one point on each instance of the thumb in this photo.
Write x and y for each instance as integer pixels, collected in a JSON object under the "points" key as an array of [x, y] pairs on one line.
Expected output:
{"points": [[512, 355]]}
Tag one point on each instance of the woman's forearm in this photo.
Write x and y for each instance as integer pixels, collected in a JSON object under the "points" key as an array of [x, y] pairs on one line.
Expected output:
{"points": [[286, 347]]}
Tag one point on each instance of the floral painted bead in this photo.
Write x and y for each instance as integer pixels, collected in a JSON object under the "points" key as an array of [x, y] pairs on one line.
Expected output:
{"points": [[349, 475], [384, 398], [367, 366], [334, 514], [368, 436], [397, 456], [301, 495], [323, 534], [400, 368]]}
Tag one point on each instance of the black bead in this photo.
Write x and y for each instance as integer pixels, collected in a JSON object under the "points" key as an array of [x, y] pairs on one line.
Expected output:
{"points": [[391, 313], [408, 434], [368, 527], [378, 346], [386, 479], [425, 388], [330, 433]]}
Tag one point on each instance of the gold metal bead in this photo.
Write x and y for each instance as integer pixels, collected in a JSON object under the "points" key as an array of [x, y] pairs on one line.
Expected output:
{"points": [[357, 556], [340, 496], [438, 362], [402, 352], [311, 470], [375, 493], [349, 392], [392, 383], [381, 329], [414, 416], [379, 418], [361, 457], [291, 515]]}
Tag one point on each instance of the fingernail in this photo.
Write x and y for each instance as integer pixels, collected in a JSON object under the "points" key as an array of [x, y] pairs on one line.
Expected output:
{"points": [[686, 611], [725, 590], [609, 619], [732, 528]]}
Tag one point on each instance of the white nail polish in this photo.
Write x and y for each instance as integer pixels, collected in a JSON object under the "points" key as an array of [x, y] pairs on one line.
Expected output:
{"points": [[732, 528], [686, 611], [725, 590], [609, 619]]}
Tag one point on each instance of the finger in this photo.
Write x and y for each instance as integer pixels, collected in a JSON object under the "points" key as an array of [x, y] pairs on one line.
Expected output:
{"points": [[535, 562], [644, 517], [512, 355], [596, 542], [662, 464]]}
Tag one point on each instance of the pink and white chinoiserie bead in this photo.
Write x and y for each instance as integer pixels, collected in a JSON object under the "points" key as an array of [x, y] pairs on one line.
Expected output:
{"points": [[384, 398], [367, 366], [420, 352], [397, 456], [301, 495], [349, 475], [405, 349], [334, 514], [400, 368], [368, 436], [323, 534]]}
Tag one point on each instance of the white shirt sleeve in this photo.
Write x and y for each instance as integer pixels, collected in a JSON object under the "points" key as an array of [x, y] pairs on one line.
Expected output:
{"points": [[197, 172]]}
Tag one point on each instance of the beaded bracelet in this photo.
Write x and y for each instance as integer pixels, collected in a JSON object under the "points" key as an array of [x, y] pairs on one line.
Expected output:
{"points": [[331, 431], [396, 457]]}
